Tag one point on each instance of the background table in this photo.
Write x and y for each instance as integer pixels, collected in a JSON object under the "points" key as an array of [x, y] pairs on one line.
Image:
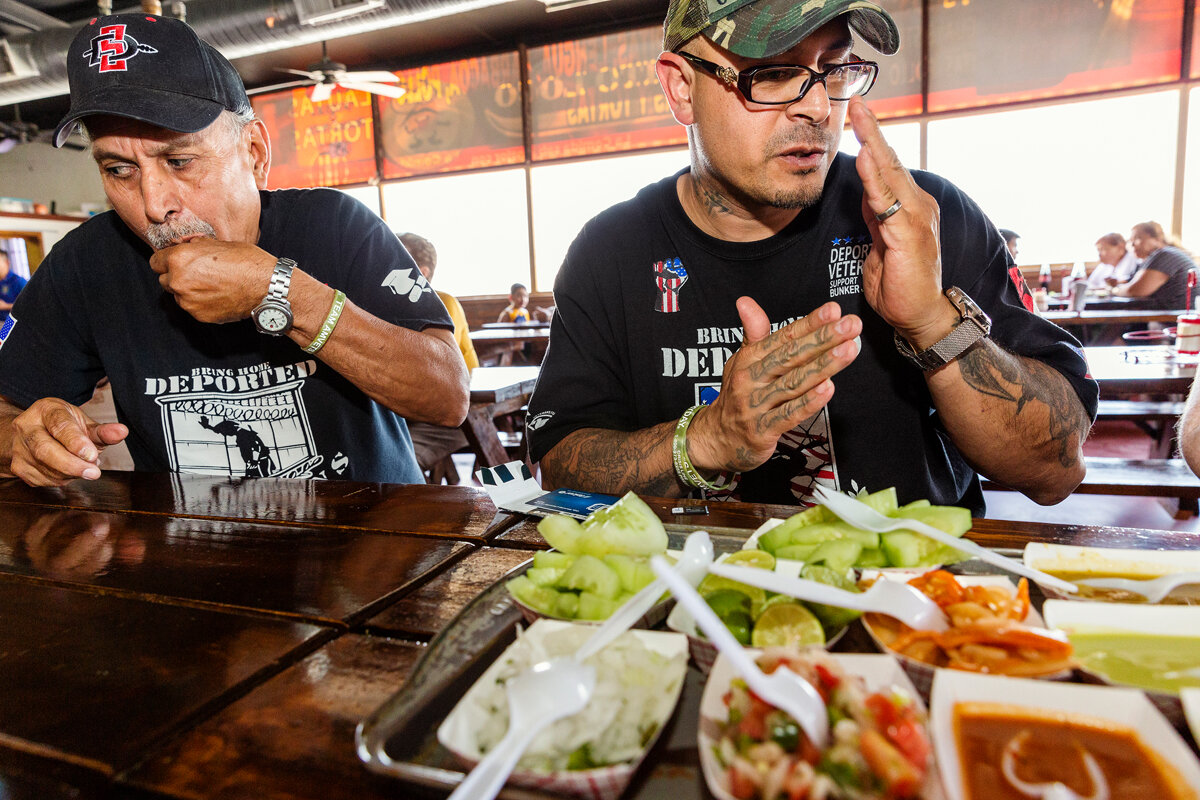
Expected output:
{"points": [[495, 392], [1124, 372], [186, 637], [500, 345]]}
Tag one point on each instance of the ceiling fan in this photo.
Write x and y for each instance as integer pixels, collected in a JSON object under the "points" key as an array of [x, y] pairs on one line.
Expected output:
{"points": [[327, 74], [17, 131]]}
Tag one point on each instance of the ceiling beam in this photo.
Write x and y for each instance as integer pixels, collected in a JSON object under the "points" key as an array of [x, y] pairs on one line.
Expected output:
{"points": [[26, 17]]}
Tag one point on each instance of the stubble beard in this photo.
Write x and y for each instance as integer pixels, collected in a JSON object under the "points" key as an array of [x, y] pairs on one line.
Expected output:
{"points": [[165, 234]]}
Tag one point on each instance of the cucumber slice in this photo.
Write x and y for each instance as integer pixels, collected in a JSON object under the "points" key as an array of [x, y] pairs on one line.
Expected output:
{"points": [[796, 552], [590, 574], [544, 576], [562, 533], [838, 555], [914, 504], [552, 559], [951, 519], [871, 558], [884, 501], [774, 539], [593, 606], [635, 573], [906, 549], [539, 598], [817, 533], [568, 605]]}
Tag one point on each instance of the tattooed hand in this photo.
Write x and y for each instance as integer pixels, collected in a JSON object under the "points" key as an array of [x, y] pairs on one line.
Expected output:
{"points": [[773, 383]]}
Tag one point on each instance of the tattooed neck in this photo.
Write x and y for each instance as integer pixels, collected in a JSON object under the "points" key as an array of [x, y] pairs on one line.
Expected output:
{"points": [[709, 200]]}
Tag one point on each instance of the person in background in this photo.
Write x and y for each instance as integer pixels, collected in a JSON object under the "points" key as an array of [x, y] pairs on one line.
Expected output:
{"points": [[518, 299], [205, 298], [1162, 277], [1010, 241], [11, 285], [432, 443], [1117, 262], [703, 325]]}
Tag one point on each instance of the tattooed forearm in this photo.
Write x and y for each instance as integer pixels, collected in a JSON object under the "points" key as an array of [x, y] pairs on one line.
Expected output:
{"points": [[995, 373], [614, 462]]}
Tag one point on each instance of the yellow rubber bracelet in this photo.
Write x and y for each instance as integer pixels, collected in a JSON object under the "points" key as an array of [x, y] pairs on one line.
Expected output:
{"points": [[331, 321]]}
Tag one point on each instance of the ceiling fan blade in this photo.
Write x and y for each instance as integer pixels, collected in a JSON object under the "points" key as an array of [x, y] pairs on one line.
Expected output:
{"points": [[321, 92], [370, 76], [278, 87], [312, 76], [374, 88]]}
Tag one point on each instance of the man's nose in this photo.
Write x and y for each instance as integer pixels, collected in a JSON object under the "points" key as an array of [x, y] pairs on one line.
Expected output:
{"points": [[159, 195], [814, 105]]}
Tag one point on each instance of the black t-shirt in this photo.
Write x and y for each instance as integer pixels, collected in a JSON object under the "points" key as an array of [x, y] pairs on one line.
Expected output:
{"points": [[221, 399], [646, 320], [1174, 263]]}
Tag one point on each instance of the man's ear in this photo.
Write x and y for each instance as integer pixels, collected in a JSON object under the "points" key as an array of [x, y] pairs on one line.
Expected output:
{"points": [[260, 152], [675, 77]]}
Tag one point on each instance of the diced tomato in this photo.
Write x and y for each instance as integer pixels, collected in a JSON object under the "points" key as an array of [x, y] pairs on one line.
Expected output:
{"points": [[940, 586], [754, 723], [900, 777], [882, 709], [910, 739], [828, 679], [741, 783]]}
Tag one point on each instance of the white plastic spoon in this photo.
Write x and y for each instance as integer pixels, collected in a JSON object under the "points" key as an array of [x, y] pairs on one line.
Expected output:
{"points": [[537, 697], [863, 516], [692, 565], [1153, 589], [783, 688], [906, 603]]}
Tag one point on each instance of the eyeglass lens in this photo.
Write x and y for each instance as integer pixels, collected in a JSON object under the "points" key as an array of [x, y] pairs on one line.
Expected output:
{"points": [[786, 84]]}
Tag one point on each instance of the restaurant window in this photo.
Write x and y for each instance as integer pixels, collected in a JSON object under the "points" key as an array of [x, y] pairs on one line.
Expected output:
{"points": [[367, 195], [1191, 179], [477, 222], [1062, 176], [565, 196], [904, 138]]}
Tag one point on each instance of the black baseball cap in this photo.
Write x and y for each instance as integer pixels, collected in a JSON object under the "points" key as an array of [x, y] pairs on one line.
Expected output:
{"points": [[149, 68]]}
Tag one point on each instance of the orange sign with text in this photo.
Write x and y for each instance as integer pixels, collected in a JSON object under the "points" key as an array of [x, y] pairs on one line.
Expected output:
{"points": [[331, 143]]}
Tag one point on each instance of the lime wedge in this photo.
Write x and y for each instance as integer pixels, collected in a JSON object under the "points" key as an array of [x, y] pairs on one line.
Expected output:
{"points": [[750, 558], [787, 624]]}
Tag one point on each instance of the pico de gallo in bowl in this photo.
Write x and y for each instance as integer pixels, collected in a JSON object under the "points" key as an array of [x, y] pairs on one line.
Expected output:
{"points": [[879, 745]]}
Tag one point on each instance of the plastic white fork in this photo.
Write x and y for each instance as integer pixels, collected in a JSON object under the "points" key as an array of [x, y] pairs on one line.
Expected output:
{"points": [[537, 697], [863, 516], [783, 688], [1153, 589], [906, 603], [692, 565]]}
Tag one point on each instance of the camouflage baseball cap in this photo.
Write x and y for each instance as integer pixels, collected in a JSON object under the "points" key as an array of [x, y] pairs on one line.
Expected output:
{"points": [[762, 28]]}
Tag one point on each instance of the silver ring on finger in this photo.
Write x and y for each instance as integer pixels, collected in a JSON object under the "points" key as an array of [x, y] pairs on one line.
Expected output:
{"points": [[892, 209]]}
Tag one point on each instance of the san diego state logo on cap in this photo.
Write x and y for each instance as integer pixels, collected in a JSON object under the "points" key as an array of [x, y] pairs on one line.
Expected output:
{"points": [[111, 49]]}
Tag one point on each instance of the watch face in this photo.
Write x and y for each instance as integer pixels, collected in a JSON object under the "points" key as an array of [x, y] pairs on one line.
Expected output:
{"points": [[273, 320]]}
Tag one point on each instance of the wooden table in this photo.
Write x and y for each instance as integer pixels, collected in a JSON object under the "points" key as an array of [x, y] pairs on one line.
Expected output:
{"points": [[1123, 372], [1105, 327], [501, 344], [515, 326], [495, 391], [1107, 302], [183, 638]]}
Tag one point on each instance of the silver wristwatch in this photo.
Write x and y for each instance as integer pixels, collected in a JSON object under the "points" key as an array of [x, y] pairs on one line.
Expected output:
{"points": [[273, 316], [974, 325]]}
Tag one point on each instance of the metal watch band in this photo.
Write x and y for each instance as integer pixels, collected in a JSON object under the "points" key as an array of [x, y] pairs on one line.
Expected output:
{"points": [[281, 279], [974, 325]]}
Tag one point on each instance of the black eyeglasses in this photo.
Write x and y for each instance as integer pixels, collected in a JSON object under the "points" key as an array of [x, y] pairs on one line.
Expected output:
{"points": [[779, 84]]}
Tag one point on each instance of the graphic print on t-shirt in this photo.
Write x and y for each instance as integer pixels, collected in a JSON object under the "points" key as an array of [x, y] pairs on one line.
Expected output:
{"points": [[810, 446], [249, 422], [846, 256], [669, 277]]}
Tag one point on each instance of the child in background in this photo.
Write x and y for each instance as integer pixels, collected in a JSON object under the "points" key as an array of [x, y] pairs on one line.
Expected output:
{"points": [[518, 297]]}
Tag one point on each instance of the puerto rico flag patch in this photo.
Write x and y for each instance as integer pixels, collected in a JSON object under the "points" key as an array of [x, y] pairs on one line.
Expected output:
{"points": [[7, 328], [669, 277]]}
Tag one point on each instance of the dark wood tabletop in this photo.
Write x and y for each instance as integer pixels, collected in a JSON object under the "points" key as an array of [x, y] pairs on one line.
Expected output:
{"points": [[224, 640], [1110, 317], [1123, 372]]}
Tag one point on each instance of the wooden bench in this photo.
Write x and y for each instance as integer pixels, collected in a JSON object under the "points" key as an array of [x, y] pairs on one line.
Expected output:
{"points": [[1152, 477], [1156, 418]]}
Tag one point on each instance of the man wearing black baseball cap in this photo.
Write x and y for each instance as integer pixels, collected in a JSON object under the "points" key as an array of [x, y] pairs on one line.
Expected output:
{"points": [[223, 314], [703, 325]]}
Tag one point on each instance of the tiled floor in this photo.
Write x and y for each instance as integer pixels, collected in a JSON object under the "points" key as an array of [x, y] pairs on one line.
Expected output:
{"points": [[1117, 439]]}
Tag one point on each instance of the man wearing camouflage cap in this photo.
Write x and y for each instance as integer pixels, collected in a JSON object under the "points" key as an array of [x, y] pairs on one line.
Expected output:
{"points": [[703, 325], [245, 333]]}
